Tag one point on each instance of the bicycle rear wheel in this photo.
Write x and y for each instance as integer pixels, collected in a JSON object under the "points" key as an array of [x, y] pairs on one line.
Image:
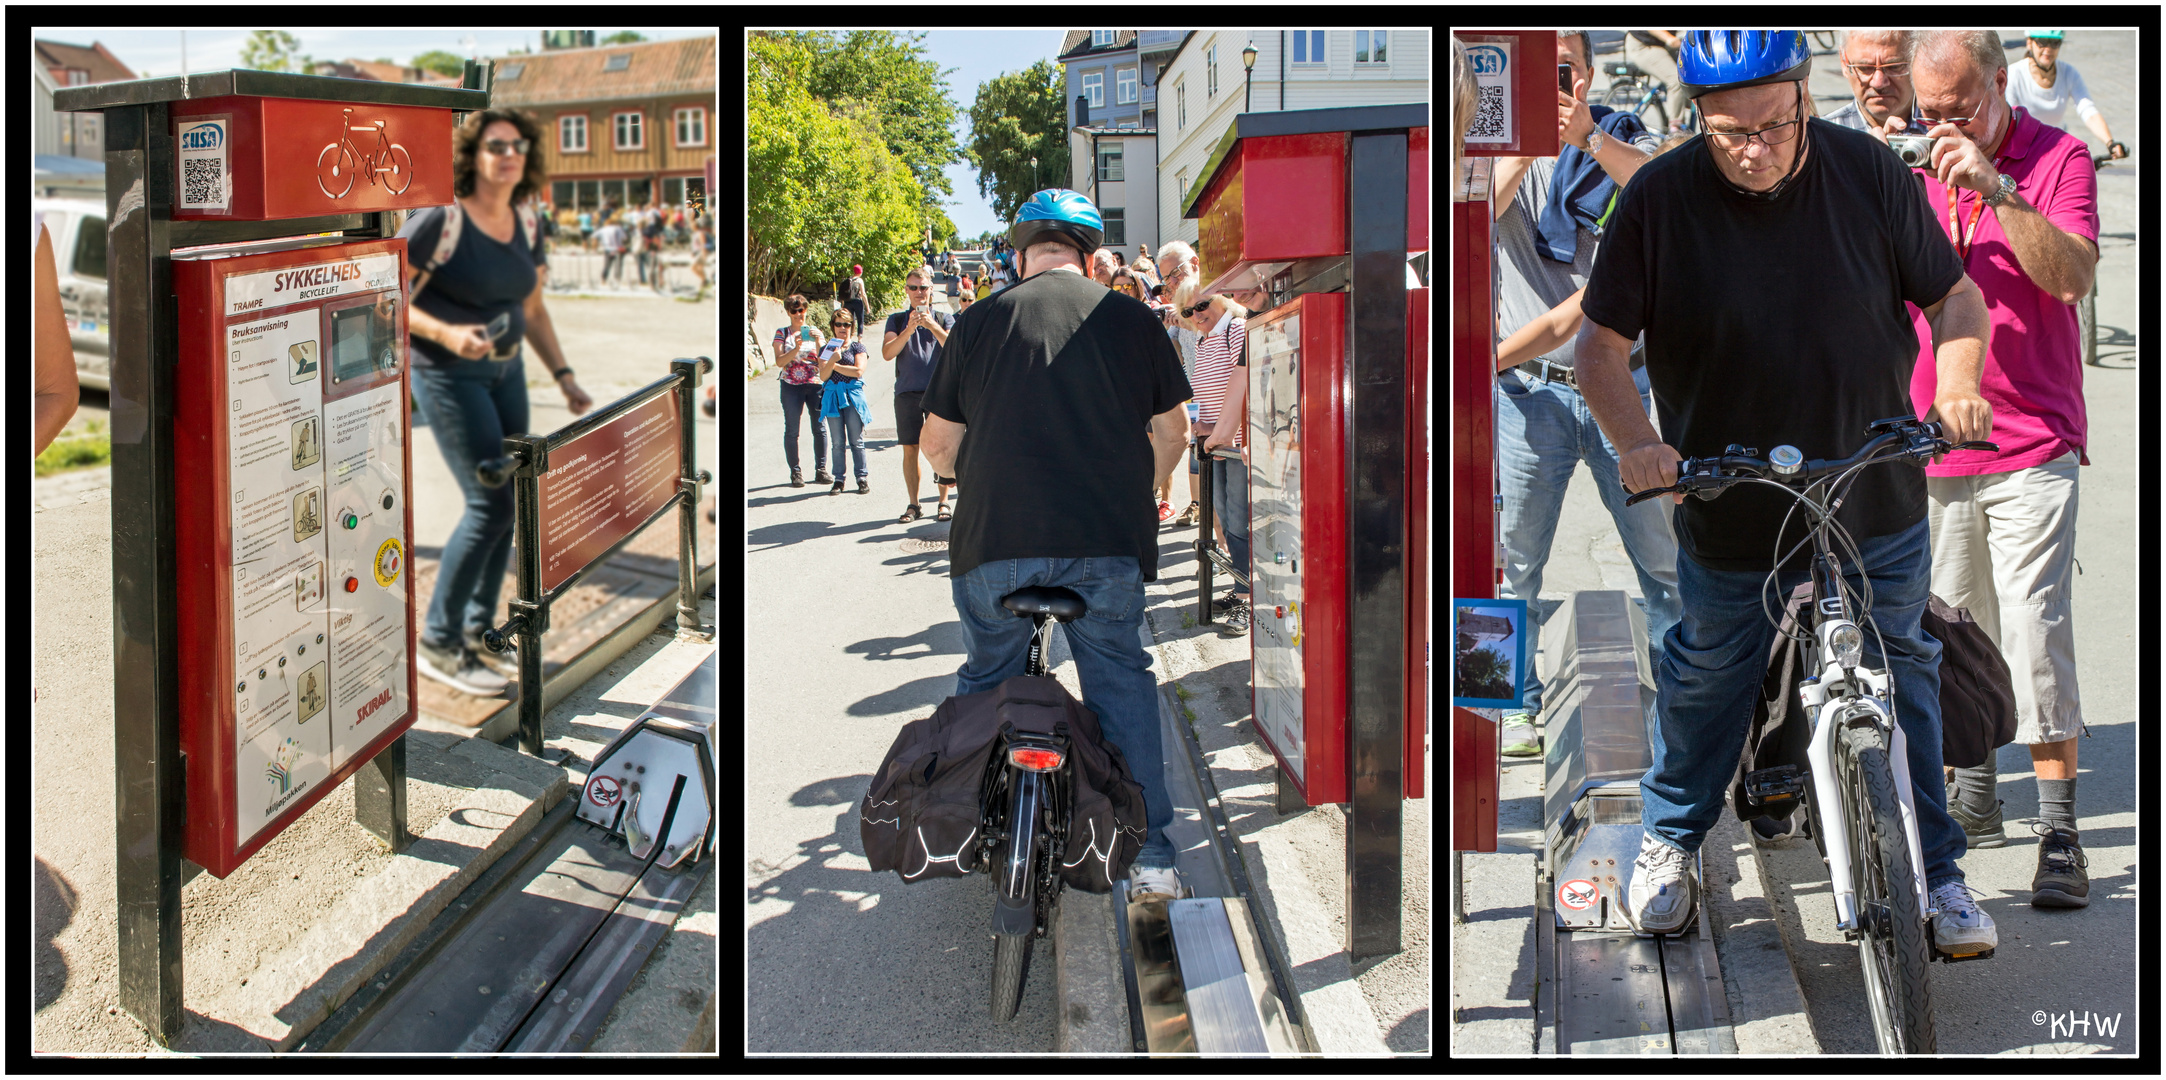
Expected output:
{"points": [[1893, 948]]}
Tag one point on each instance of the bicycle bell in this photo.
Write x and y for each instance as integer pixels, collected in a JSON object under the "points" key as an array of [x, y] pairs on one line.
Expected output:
{"points": [[1786, 460]]}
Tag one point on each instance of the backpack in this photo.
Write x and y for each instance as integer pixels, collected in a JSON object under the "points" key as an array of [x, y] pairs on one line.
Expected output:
{"points": [[447, 240], [920, 819], [1977, 701]]}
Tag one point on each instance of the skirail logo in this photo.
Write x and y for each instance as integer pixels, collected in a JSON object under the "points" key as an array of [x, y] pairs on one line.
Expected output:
{"points": [[372, 704]]}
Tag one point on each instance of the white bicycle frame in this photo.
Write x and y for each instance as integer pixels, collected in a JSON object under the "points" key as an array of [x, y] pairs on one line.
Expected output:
{"points": [[1830, 702]]}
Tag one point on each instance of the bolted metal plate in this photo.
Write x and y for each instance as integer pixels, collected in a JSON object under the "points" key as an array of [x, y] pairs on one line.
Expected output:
{"points": [[922, 545]]}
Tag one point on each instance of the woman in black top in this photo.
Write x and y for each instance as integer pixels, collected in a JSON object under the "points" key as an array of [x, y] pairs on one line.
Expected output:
{"points": [[469, 376]]}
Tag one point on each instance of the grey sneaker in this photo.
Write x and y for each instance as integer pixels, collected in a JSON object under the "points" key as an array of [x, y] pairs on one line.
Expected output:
{"points": [[1978, 832], [1520, 739], [1155, 883], [1234, 622], [458, 669], [1660, 900]]}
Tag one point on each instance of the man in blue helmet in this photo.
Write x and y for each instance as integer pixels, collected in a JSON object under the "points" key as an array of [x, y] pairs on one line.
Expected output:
{"points": [[1767, 263], [1039, 396]]}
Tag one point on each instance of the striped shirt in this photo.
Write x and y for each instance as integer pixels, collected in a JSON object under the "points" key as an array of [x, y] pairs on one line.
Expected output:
{"points": [[1218, 360]]}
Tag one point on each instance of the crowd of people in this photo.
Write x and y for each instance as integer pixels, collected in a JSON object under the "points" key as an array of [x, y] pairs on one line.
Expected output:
{"points": [[822, 378], [635, 234], [1957, 281]]}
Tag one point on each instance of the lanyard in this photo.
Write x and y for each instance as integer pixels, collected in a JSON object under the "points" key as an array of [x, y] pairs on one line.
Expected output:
{"points": [[1963, 237]]}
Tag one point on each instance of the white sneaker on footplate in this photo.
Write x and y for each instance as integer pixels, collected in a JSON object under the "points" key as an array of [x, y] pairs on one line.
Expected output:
{"points": [[1155, 883], [1962, 928], [1660, 900]]}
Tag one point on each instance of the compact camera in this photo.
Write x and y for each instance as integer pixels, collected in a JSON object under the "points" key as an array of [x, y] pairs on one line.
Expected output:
{"points": [[1915, 150]]}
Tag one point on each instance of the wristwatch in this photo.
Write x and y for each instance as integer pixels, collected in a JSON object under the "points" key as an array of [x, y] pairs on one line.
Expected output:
{"points": [[2007, 188], [1594, 141]]}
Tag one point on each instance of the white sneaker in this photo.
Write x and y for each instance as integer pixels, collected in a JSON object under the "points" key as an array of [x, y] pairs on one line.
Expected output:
{"points": [[1660, 900], [1962, 928], [1155, 883]]}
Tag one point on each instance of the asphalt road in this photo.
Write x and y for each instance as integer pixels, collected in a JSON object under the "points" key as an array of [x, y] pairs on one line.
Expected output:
{"points": [[2053, 966]]}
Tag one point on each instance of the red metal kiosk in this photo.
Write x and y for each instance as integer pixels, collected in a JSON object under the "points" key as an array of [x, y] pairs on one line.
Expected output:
{"points": [[1520, 121], [263, 612], [1314, 215]]}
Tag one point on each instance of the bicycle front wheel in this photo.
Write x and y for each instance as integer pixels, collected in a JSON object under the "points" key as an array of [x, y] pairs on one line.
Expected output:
{"points": [[1893, 945]]}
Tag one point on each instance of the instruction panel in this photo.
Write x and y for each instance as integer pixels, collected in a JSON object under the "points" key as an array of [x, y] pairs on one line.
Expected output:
{"points": [[319, 555]]}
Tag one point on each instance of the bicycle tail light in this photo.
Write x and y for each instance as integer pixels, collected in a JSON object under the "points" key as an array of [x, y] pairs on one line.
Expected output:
{"points": [[1035, 759], [1847, 643]]}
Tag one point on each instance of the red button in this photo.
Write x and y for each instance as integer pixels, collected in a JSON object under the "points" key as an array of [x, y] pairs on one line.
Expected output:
{"points": [[352, 584]]}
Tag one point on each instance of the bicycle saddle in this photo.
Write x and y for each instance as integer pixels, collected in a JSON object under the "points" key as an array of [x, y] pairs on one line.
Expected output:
{"points": [[1062, 604]]}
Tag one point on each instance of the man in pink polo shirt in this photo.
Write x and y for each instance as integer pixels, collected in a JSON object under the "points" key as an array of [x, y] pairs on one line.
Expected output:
{"points": [[2020, 202]]}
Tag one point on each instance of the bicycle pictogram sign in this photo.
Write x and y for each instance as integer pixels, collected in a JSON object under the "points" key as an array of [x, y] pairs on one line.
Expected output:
{"points": [[388, 164]]}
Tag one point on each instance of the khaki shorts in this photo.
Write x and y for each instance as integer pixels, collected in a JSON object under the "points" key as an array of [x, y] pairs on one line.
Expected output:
{"points": [[2003, 544]]}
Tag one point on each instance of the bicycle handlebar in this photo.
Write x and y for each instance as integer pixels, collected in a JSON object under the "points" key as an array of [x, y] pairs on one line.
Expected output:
{"points": [[1708, 477]]}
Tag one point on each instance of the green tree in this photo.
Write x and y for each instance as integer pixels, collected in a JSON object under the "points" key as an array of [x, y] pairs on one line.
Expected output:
{"points": [[272, 50], [1015, 118], [1484, 672], [440, 62], [824, 189]]}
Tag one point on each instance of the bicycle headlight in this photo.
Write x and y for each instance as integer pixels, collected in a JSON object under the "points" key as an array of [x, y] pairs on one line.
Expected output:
{"points": [[1847, 642]]}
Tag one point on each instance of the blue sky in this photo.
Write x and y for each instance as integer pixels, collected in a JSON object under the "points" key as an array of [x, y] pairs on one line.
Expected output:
{"points": [[978, 57]]}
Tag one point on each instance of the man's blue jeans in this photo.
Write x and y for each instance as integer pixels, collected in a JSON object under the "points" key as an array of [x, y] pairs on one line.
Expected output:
{"points": [[1115, 671], [1716, 658], [1544, 430]]}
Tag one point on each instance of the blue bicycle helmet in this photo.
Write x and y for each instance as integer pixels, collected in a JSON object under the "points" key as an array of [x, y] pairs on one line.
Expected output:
{"points": [[1729, 59], [1061, 215]]}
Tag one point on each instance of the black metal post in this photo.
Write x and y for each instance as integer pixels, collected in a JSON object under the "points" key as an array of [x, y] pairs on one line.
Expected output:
{"points": [[690, 479], [1204, 522], [150, 802], [379, 796], [526, 551], [1376, 454]]}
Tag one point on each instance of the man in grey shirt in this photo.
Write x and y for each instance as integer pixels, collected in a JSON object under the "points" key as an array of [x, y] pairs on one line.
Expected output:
{"points": [[1544, 429], [1877, 64]]}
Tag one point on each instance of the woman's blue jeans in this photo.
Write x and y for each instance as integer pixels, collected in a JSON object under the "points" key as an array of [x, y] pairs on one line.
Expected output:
{"points": [[1110, 662], [471, 407], [1716, 658]]}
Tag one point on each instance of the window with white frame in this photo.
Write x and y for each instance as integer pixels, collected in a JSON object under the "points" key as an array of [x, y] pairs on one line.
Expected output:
{"points": [[1094, 88], [1109, 161], [1102, 38], [1124, 86], [1308, 46], [631, 130], [1210, 72], [572, 133], [1369, 46], [691, 125], [1180, 105]]}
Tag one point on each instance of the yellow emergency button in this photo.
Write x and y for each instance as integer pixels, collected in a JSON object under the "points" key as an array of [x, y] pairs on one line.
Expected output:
{"points": [[389, 561]]}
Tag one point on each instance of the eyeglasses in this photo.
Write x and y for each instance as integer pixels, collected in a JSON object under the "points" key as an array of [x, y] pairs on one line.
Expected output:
{"points": [[1865, 72], [1770, 137], [917, 288], [1958, 121], [500, 148]]}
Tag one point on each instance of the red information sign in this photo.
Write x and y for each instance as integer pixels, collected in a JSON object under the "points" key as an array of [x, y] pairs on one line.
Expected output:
{"points": [[603, 484]]}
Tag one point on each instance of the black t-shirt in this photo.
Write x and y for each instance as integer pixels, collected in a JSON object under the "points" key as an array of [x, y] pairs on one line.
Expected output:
{"points": [[485, 279], [1056, 378], [1772, 323]]}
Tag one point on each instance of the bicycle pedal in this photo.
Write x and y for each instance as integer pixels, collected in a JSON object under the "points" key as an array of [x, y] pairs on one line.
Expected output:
{"points": [[1957, 958]]}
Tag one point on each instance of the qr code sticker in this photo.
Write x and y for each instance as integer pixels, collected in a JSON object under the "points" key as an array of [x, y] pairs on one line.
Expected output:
{"points": [[201, 181], [1488, 115]]}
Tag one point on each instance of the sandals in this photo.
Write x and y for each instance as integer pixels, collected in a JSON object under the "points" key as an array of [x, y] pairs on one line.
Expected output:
{"points": [[910, 513], [942, 513]]}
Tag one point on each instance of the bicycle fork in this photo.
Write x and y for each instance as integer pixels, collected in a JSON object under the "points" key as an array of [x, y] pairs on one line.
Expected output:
{"points": [[1833, 704]]}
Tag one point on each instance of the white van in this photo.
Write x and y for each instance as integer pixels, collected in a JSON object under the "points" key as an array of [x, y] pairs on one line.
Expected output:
{"points": [[77, 227]]}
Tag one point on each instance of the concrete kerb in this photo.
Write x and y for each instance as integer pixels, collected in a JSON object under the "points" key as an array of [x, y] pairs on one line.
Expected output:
{"points": [[1767, 1005], [301, 986]]}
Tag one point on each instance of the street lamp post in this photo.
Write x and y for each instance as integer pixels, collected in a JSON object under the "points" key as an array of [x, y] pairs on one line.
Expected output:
{"points": [[1033, 174], [1248, 73]]}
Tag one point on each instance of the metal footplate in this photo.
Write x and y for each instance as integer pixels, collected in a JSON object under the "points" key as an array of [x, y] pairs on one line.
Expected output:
{"points": [[1606, 988]]}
